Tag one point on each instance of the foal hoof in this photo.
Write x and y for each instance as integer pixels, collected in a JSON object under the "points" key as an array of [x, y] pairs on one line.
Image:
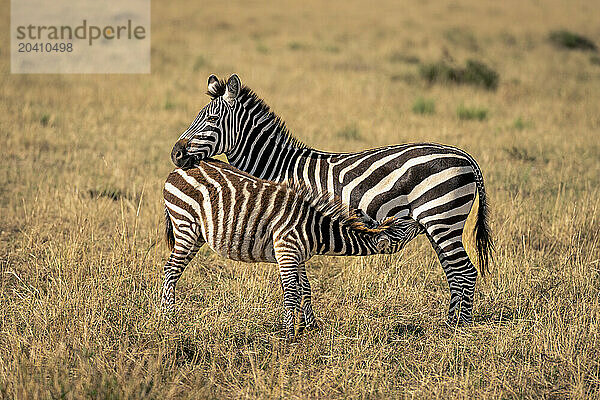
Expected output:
{"points": [[453, 323], [291, 339], [312, 327]]}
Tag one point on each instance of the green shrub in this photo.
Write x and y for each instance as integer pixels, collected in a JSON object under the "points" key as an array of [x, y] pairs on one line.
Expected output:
{"points": [[423, 106], [471, 113], [45, 119], [350, 132], [570, 40], [438, 72], [521, 124], [478, 73], [474, 73]]}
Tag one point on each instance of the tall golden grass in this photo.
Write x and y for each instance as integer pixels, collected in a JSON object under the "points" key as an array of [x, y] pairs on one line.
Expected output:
{"points": [[83, 159]]}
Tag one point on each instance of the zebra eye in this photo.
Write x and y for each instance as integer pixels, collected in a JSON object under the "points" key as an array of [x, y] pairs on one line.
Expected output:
{"points": [[212, 119]]}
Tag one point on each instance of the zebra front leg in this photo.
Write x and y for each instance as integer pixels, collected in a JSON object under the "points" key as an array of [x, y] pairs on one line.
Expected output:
{"points": [[288, 270], [307, 319]]}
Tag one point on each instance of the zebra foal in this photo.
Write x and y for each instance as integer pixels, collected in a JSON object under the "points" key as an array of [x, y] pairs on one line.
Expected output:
{"points": [[249, 219]]}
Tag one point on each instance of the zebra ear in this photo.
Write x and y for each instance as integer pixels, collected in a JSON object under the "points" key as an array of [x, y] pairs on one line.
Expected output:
{"points": [[232, 89], [213, 82]]}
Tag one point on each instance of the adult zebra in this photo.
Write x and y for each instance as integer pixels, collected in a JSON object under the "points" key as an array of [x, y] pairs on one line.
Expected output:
{"points": [[432, 183]]}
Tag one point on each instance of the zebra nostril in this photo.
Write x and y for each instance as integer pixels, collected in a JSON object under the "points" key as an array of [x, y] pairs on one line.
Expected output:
{"points": [[179, 153]]}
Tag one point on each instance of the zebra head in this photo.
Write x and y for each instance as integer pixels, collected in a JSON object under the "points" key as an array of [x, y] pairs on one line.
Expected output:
{"points": [[396, 234], [212, 131]]}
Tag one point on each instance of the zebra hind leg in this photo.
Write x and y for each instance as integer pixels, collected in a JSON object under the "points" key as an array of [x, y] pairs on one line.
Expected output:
{"points": [[460, 273], [178, 260]]}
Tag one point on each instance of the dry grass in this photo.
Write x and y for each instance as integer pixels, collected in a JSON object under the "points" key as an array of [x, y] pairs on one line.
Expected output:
{"points": [[83, 159]]}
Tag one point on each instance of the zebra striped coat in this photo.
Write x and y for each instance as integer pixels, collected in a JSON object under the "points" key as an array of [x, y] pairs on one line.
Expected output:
{"points": [[248, 219], [433, 184]]}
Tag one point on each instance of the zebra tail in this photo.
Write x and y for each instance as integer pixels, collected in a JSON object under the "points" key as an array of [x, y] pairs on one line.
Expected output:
{"points": [[169, 236], [482, 230]]}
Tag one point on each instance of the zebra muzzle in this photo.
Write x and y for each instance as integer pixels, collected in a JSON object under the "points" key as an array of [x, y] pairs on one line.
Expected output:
{"points": [[383, 243], [180, 156]]}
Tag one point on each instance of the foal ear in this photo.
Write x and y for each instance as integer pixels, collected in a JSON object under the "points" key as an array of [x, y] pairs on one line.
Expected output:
{"points": [[232, 89], [365, 219], [213, 82]]}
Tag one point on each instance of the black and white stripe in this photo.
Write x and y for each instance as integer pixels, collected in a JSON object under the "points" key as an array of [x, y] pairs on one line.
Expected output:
{"points": [[248, 219], [431, 183]]}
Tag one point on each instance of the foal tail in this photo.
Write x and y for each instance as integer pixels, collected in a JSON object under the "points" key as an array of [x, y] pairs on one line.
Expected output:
{"points": [[169, 236]]}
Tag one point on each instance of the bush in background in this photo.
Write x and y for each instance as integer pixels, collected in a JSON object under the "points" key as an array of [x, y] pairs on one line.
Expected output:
{"points": [[474, 73], [471, 113], [572, 41]]}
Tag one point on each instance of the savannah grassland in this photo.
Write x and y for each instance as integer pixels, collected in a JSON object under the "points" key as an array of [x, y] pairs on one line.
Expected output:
{"points": [[83, 159]]}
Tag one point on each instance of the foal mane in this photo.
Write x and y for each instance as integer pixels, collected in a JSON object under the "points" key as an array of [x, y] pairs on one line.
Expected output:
{"points": [[332, 206]]}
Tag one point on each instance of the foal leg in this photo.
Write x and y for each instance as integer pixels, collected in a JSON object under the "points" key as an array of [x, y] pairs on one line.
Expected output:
{"points": [[180, 257], [288, 270], [307, 318]]}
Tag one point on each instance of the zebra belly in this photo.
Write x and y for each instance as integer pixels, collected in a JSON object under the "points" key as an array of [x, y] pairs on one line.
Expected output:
{"points": [[248, 249]]}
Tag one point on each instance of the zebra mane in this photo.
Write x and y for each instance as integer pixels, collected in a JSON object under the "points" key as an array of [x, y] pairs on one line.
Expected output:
{"points": [[251, 99], [332, 206]]}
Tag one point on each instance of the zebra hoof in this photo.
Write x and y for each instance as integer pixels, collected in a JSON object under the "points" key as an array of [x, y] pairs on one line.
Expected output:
{"points": [[313, 327], [167, 310], [300, 330], [459, 322]]}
